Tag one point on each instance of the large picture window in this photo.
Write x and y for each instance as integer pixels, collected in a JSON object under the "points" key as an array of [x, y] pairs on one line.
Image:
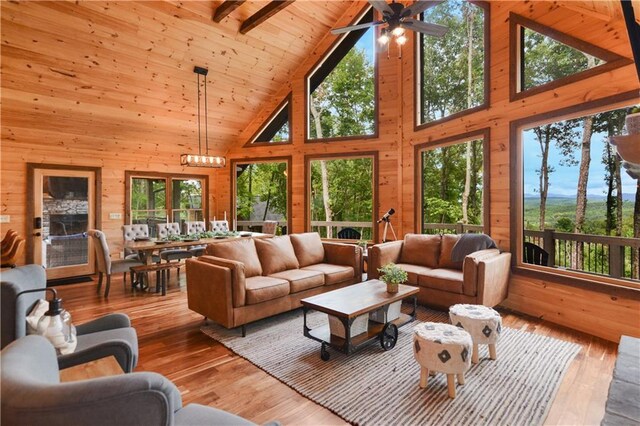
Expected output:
{"points": [[581, 210], [452, 69], [261, 194], [452, 185], [160, 198], [341, 90], [342, 196]]}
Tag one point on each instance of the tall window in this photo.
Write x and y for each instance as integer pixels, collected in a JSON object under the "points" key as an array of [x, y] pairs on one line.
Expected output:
{"points": [[341, 198], [581, 209], [158, 199], [261, 194], [278, 126], [452, 67], [341, 89], [453, 187]]}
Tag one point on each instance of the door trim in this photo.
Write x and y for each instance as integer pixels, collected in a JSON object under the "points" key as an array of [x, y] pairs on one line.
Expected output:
{"points": [[31, 196]]}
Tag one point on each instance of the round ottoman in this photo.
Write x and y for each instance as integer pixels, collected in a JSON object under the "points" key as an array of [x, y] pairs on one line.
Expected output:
{"points": [[481, 322], [442, 348]]}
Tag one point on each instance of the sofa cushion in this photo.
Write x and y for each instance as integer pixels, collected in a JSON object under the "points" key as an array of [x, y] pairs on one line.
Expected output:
{"points": [[276, 254], [448, 280], [333, 274], [422, 250], [308, 248], [261, 289], [446, 246], [413, 272], [301, 279], [241, 250]]}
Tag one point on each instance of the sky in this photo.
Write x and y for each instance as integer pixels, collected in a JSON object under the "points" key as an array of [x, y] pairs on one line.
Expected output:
{"points": [[366, 42], [564, 180]]}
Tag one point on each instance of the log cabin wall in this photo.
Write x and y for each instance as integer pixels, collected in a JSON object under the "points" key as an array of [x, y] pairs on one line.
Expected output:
{"points": [[607, 314], [109, 89]]}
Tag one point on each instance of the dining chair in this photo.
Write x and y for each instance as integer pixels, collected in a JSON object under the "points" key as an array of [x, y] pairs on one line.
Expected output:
{"points": [[195, 227], [9, 256], [219, 225], [106, 265], [165, 230], [8, 240]]}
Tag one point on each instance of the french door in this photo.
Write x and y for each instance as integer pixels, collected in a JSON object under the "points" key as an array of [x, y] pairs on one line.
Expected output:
{"points": [[64, 209]]}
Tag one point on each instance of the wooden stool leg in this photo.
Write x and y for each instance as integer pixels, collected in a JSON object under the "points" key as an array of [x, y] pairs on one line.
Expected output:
{"points": [[474, 357], [159, 282], [451, 384], [492, 351], [424, 376], [164, 285], [461, 379]]}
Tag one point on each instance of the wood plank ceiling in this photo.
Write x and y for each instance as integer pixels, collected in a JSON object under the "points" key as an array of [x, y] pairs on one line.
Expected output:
{"points": [[117, 71]]}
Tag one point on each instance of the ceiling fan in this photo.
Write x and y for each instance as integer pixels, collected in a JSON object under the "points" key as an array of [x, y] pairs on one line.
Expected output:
{"points": [[397, 17]]}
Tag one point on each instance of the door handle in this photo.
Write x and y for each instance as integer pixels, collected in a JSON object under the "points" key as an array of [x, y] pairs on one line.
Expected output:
{"points": [[37, 234]]}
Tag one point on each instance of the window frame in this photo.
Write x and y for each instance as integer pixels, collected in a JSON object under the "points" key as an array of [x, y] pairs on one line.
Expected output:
{"points": [[284, 105], [600, 283], [259, 160], [419, 78], [485, 135], [168, 177], [517, 23], [320, 62], [374, 155]]}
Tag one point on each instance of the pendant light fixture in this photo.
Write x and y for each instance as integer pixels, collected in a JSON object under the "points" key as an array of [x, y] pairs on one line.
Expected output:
{"points": [[200, 160]]}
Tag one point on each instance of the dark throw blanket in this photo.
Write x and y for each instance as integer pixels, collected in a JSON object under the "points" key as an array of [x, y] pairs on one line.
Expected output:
{"points": [[469, 243]]}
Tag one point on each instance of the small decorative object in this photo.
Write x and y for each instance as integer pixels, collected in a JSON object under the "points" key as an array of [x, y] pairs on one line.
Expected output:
{"points": [[392, 275], [56, 324]]}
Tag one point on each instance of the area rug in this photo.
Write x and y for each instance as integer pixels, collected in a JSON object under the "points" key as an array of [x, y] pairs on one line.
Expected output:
{"points": [[374, 387]]}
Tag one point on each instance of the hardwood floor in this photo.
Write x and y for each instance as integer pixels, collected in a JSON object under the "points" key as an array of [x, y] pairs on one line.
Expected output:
{"points": [[208, 373]]}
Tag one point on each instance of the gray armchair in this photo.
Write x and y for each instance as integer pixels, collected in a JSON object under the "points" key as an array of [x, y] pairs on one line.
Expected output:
{"points": [[109, 335], [32, 394]]}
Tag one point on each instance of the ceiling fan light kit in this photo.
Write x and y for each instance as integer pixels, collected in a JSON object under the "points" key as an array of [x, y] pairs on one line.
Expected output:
{"points": [[396, 18]]}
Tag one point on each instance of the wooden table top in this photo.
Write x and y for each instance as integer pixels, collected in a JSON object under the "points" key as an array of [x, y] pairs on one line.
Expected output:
{"points": [[102, 367], [151, 245], [357, 299]]}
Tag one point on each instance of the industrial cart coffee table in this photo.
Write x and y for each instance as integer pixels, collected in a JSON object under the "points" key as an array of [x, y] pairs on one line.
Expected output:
{"points": [[349, 303]]}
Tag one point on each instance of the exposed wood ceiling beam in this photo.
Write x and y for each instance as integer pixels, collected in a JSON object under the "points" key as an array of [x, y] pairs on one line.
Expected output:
{"points": [[263, 14], [225, 8]]}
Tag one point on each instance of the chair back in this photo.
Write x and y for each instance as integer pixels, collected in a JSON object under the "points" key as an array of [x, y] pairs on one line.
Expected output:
{"points": [[194, 227], [349, 234], [219, 225], [535, 254], [269, 227], [167, 229], [102, 251], [131, 232], [9, 257], [8, 239], [13, 317]]}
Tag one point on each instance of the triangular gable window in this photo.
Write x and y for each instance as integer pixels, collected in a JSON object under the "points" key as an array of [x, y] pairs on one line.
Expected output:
{"points": [[277, 129], [547, 58]]}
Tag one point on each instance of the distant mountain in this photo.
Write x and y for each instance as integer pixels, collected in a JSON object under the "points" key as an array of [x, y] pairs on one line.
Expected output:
{"points": [[564, 198]]}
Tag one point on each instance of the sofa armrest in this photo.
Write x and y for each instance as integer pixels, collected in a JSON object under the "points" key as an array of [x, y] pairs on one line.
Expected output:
{"points": [[344, 254], [380, 255], [470, 270], [238, 285], [107, 322], [493, 279], [209, 291]]}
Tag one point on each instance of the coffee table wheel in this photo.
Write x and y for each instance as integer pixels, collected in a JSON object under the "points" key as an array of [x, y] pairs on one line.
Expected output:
{"points": [[389, 336], [324, 353]]}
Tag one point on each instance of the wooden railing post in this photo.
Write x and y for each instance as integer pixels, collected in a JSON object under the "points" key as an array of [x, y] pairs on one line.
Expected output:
{"points": [[549, 245], [616, 260], [459, 228]]}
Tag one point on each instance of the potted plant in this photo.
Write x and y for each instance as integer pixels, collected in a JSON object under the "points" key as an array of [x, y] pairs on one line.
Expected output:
{"points": [[392, 276]]}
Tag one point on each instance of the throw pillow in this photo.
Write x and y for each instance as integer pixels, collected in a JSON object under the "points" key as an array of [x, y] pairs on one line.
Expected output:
{"points": [[423, 250], [276, 254], [242, 250], [448, 242], [308, 248]]}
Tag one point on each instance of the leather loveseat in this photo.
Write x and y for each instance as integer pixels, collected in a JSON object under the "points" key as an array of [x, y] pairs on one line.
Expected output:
{"points": [[482, 278], [243, 280]]}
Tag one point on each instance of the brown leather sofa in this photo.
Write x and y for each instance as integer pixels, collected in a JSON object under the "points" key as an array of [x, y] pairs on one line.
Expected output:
{"points": [[482, 278], [244, 280]]}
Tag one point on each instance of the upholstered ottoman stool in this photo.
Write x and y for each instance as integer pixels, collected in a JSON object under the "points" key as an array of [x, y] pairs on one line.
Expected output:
{"points": [[442, 348], [482, 323]]}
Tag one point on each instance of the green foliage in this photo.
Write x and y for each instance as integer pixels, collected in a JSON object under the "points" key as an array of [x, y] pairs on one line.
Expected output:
{"points": [[282, 135], [261, 183], [345, 99], [447, 89], [392, 274]]}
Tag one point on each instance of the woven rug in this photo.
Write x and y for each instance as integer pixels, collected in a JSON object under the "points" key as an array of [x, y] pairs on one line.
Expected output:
{"points": [[374, 387]]}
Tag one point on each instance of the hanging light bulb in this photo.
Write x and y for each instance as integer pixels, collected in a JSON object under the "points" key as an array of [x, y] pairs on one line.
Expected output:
{"points": [[384, 37], [398, 31], [401, 40]]}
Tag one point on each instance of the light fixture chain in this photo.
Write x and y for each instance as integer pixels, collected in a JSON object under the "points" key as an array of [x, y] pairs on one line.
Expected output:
{"points": [[199, 143], [206, 117]]}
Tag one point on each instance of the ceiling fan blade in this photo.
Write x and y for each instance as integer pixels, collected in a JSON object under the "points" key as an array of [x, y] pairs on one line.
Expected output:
{"points": [[418, 7], [425, 27], [356, 27], [382, 7]]}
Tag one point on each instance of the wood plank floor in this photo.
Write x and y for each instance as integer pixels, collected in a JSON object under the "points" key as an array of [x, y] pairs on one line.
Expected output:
{"points": [[208, 373]]}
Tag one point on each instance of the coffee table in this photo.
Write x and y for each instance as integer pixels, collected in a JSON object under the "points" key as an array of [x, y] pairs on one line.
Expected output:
{"points": [[350, 302]]}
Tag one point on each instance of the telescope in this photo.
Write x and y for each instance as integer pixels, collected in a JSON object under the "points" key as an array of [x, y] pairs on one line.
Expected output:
{"points": [[385, 217]]}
